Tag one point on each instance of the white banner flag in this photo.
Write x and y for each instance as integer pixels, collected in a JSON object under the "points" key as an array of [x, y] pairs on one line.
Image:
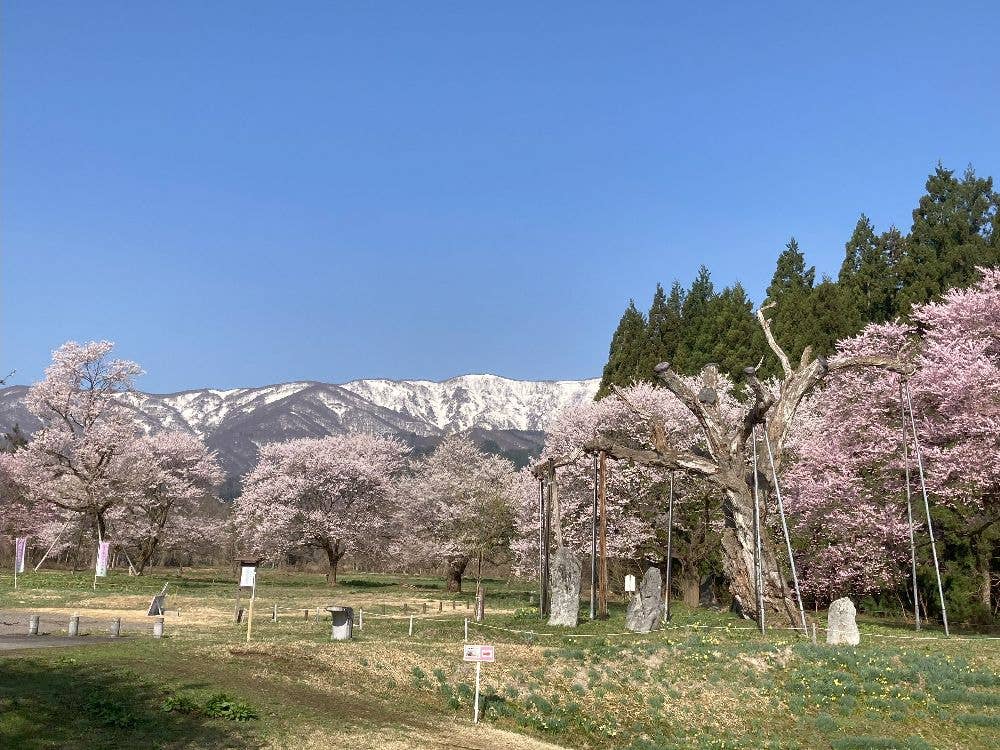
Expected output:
{"points": [[102, 559], [20, 548]]}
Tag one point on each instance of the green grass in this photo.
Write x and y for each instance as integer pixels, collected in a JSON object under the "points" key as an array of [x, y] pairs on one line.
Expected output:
{"points": [[721, 685]]}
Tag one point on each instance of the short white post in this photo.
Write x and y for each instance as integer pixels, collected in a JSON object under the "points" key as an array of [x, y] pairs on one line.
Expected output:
{"points": [[158, 627], [475, 710], [411, 624], [116, 627], [33, 625], [814, 633], [466, 629], [274, 613], [74, 625], [361, 619]]}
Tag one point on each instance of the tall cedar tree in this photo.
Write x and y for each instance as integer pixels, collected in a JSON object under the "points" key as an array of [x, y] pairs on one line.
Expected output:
{"points": [[664, 329], [625, 356], [956, 227], [694, 350], [866, 277], [790, 289]]}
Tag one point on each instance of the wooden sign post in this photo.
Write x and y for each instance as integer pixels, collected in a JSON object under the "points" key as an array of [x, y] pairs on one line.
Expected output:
{"points": [[478, 654], [248, 580]]}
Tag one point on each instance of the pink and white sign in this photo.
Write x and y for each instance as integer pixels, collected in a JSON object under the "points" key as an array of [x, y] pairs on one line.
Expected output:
{"points": [[20, 548], [478, 653], [102, 559]]}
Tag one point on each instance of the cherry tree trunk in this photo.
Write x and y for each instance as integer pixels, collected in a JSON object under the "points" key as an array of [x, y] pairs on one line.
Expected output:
{"points": [[334, 552], [456, 569], [738, 545]]}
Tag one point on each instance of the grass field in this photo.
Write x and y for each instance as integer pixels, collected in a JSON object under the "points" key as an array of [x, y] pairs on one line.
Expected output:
{"points": [[717, 685]]}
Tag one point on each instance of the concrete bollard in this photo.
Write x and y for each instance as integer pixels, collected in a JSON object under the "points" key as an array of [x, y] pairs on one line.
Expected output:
{"points": [[158, 627], [33, 625], [116, 627], [74, 625], [814, 633]]}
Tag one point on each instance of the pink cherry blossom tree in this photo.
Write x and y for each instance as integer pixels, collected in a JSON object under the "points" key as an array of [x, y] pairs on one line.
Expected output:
{"points": [[178, 475], [80, 461], [458, 503], [636, 494], [331, 494], [846, 487]]}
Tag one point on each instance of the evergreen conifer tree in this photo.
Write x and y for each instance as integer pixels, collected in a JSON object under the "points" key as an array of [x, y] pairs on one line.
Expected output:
{"points": [[956, 227], [865, 275], [625, 355], [664, 329]]}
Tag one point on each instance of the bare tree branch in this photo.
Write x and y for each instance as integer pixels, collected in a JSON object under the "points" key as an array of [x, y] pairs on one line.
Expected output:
{"points": [[670, 460], [771, 342]]}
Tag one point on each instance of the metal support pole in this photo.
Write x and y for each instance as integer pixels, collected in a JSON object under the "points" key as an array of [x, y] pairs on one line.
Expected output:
{"points": [[541, 548], [757, 556], [927, 506], [475, 712], [602, 570], [593, 548], [784, 528], [670, 549], [909, 506]]}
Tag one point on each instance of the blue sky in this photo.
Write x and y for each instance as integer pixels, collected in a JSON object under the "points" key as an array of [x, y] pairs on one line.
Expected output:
{"points": [[246, 193]]}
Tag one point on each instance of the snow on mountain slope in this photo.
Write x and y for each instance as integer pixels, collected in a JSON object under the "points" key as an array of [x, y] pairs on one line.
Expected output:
{"points": [[508, 414], [485, 401]]}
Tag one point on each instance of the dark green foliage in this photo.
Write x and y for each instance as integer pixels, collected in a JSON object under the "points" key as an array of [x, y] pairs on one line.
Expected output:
{"points": [[956, 227], [865, 275], [625, 356]]}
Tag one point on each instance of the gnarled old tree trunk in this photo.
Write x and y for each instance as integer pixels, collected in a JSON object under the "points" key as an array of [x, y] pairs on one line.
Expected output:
{"points": [[725, 462]]}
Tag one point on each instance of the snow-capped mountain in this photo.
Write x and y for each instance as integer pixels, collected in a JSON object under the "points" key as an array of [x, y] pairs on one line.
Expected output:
{"points": [[485, 401], [503, 414]]}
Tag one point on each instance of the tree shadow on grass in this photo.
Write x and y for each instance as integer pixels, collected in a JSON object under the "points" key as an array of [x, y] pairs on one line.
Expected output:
{"points": [[61, 704]]}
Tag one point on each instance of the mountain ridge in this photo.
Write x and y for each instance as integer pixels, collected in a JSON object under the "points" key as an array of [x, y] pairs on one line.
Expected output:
{"points": [[500, 413]]}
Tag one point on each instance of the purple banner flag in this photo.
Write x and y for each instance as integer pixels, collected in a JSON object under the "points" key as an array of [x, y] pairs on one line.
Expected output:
{"points": [[20, 548], [102, 559]]}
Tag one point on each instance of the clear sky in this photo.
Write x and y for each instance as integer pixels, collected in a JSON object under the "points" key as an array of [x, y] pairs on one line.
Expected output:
{"points": [[245, 193]]}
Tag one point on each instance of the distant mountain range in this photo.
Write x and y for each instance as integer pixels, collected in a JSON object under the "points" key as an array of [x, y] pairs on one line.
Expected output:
{"points": [[503, 415]]}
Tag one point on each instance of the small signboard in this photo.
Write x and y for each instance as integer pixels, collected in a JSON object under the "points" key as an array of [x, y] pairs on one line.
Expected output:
{"points": [[478, 653], [248, 575], [156, 607], [630, 584]]}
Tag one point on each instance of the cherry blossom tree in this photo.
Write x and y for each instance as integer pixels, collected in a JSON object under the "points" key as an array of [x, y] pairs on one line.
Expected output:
{"points": [[330, 494], [178, 474], [636, 494], [458, 502], [81, 460], [722, 460], [846, 487]]}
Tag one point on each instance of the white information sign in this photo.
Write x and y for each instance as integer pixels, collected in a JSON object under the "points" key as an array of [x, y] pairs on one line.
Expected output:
{"points": [[248, 576], [478, 653], [630, 584]]}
